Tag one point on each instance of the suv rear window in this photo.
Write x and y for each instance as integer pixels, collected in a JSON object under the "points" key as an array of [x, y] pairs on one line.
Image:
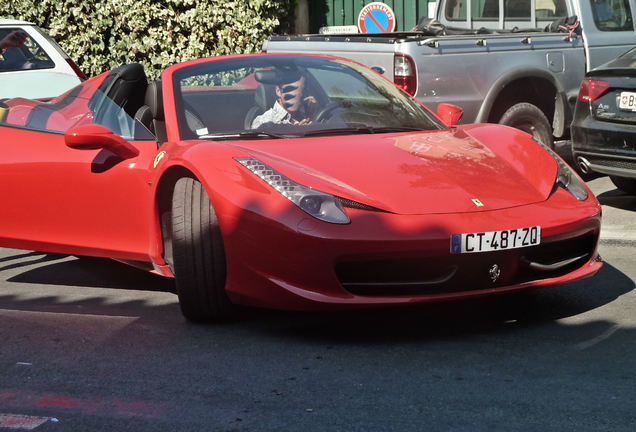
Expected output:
{"points": [[612, 15], [513, 9], [29, 56]]}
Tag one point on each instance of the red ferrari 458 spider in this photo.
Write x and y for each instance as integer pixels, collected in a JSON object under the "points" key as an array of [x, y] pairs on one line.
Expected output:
{"points": [[290, 181]]}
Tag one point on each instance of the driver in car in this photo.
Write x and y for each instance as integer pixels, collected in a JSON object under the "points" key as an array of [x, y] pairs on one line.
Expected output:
{"points": [[292, 106]]}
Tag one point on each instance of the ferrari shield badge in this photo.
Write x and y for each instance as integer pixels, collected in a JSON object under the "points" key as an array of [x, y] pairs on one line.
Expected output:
{"points": [[494, 273], [158, 158], [477, 202]]}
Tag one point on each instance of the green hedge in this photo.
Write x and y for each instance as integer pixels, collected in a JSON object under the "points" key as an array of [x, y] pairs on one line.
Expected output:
{"points": [[100, 35]]}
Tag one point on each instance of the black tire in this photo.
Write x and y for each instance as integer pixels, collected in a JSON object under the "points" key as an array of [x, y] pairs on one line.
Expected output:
{"points": [[627, 185], [198, 255], [530, 119]]}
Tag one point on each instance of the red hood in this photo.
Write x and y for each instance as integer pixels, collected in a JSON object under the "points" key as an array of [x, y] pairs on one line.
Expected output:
{"points": [[419, 173]]}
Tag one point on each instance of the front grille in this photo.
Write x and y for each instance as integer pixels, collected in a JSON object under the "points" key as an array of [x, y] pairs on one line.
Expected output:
{"points": [[449, 273], [554, 252], [611, 162]]}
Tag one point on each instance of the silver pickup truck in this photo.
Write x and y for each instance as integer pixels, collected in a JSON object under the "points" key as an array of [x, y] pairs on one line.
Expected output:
{"points": [[515, 62]]}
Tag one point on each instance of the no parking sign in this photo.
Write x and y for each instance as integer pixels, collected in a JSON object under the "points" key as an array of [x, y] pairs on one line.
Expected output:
{"points": [[376, 17]]}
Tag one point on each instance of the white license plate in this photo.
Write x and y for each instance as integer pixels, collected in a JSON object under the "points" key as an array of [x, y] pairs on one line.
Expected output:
{"points": [[627, 101], [495, 240]]}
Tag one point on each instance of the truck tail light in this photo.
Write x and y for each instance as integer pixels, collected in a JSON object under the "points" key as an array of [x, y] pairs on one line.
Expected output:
{"points": [[592, 89], [404, 73]]}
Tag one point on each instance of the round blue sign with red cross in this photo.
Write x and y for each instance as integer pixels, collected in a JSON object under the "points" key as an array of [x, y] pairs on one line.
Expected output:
{"points": [[376, 17]]}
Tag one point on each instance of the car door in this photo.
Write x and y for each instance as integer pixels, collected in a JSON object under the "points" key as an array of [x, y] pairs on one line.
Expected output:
{"points": [[61, 199]]}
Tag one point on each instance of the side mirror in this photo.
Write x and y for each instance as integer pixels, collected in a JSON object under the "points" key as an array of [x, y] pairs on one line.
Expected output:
{"points": [[95, 137], [449, 114]]}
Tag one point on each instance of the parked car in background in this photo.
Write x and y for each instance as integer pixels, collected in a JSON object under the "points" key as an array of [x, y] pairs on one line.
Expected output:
{"points": [[39, 69], [604, 126]]}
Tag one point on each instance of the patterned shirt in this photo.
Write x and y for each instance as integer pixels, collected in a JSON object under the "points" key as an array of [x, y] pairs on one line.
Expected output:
{"points": [[276, 114]]}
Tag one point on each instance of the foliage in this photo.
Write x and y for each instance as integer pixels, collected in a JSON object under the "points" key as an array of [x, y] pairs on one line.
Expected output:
{"points": [[102, 34]]}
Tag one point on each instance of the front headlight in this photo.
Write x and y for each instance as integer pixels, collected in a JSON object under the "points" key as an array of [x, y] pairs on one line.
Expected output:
{"points": [[566, 177], [318, 204]]}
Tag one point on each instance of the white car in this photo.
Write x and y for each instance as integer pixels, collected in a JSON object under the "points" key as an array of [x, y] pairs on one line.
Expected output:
{"points": [[39, 69]]}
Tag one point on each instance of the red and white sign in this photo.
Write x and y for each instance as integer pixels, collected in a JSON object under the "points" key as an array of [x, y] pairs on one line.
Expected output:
{"points": [[376, 17]]}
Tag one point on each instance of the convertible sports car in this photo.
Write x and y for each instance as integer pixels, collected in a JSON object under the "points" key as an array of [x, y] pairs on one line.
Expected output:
{"points": [[370, 200]]}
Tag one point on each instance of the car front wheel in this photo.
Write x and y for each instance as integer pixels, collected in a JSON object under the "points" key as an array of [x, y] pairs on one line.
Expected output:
{"points": [[198, 255]]}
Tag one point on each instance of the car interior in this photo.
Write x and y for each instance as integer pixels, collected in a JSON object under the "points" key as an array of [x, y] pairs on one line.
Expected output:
{"points": [[264, 98], [234, 108], [150, 114], [209, 108], [205, 109]]}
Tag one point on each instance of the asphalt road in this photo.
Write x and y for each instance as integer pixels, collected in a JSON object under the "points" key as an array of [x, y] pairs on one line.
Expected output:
{"points": [[90, 344]]}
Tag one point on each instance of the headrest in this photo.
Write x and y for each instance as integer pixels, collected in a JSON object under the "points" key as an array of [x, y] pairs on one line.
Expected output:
{"points": [[130, 72], [126, 86], [154, 99], [265, 96]]}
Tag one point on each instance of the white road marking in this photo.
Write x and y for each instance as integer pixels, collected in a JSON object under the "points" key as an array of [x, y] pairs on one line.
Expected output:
{"points": [[597, 339], [20, 421], [617, 232]]}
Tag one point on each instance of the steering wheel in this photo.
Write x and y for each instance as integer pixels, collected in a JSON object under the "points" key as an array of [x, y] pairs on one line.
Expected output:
{"points": [[326, 112]]}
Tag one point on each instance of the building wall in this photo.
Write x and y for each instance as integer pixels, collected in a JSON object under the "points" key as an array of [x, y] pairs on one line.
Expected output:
{"points": [[345, 12]]}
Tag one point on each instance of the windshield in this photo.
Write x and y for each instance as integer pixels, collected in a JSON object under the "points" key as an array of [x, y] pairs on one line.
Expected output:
{"points": [[290, 96]]}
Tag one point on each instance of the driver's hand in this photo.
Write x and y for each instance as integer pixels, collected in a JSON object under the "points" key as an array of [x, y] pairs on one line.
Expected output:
{"points": [[14, 40], [311, 107], [304, 121]]}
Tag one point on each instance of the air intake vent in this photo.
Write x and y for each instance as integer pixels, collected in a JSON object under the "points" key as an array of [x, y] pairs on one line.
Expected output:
{"points": [[356, 205]]}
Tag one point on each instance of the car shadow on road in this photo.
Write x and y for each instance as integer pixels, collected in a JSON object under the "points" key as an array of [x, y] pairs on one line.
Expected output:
{"points": [[435, 320], [617, 199], [23, 260], [88, 272], [84, 277], [457, 318]]}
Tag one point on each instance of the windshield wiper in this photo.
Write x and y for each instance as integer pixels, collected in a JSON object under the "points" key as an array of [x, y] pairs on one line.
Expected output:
{"points": [[363, 130], [242, 135], [385, 129]]}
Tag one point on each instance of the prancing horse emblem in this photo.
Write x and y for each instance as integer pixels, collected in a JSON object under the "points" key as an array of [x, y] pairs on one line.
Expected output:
{"points": [[494, 273]]}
